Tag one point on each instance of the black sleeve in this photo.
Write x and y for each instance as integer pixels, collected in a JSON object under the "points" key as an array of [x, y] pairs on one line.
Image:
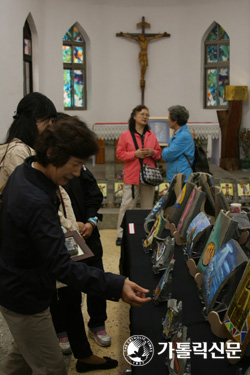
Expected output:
{"points": [[48, 242], [92, 194]]}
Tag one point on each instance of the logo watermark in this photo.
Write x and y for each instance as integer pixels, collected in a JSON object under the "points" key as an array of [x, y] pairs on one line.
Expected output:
{"points": [[138, 350]]}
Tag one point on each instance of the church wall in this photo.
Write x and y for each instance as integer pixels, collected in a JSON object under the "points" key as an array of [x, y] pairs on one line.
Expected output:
{"points": [[174, 74]]}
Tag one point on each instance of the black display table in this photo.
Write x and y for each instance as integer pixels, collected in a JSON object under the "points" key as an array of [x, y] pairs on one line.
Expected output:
{"points": [[147, 320]]}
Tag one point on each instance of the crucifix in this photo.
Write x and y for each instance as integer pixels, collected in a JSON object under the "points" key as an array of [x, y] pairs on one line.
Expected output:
{"points": [[143, 39]]}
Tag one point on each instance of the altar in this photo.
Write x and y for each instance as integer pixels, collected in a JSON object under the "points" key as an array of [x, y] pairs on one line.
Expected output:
{"points": [[209, 131]]}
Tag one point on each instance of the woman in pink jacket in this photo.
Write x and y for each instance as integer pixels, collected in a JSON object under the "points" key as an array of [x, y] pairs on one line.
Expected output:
{"points": [[148, 150]]}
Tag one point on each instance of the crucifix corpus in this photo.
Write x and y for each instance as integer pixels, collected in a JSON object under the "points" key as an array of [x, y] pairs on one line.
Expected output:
{"points": [[143, 39]]}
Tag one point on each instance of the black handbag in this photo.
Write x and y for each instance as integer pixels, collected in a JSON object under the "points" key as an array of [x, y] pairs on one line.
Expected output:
{"points": [[148, 175]]}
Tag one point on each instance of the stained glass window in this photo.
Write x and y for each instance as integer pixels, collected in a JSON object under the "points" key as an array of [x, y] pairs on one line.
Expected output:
{"points": [[74, 70], [67, 54], [27, 60], [217, 58]]}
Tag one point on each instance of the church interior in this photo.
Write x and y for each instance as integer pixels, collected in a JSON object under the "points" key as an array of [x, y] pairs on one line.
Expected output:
{"points": [[159, 53]]}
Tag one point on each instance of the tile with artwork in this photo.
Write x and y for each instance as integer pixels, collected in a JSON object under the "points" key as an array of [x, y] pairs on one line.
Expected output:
{"points": [[118, 189], [103, 188], [191, 209], [228, 189], [155, 232], [163, 290], [173, 318], [163, 188], [159, 126], [173, 192], [178, 364], [223, 230], [153, 214], [237, 317], [221, 274], [180, 204], [195, 229], [162, 254], [243, 190]]}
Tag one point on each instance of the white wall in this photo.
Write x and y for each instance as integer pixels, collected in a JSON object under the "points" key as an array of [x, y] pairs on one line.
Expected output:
{"points": [[174, 74]]}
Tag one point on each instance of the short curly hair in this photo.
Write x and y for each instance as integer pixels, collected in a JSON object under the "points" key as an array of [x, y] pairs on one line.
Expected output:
{"points": [[179, 114], [68, 137]]}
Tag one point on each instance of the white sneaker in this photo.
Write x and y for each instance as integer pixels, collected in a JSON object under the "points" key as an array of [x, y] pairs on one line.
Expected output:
{"points": [[65, 345], [102, 338]]}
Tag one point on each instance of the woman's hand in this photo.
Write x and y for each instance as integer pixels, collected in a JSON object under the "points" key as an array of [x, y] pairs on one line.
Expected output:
{"points": [[134, 294], [149, 152], [81, 227], [142, 153], [85, 229], [139, 153]]}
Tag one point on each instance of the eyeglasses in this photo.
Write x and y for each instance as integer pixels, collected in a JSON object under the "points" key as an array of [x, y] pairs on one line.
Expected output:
{"points": [[144, 114]]}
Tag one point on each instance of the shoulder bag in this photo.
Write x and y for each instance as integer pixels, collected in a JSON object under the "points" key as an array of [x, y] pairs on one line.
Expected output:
{"points": [[200, 163], [148, 175]]}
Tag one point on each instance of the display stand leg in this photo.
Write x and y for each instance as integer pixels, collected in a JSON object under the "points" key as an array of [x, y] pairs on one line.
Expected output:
{"points": [[172, 228], [167, 225], [218, 328], [192, 266], [243, 238], [198, 279], [179, 241], [202, 209]]}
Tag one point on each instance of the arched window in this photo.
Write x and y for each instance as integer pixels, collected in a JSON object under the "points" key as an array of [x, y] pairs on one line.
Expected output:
{"points": [[74, 70], [27, 60], [216, 66]]}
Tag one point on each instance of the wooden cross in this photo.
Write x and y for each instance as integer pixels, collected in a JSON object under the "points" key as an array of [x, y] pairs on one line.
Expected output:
{"points": [[143, 39]]}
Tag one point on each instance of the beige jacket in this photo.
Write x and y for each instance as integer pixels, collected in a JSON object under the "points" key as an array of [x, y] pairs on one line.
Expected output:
{"points": [[14, 154]]}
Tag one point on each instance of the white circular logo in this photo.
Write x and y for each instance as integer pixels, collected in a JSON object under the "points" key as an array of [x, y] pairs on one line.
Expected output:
{"points": [[138, 350]]}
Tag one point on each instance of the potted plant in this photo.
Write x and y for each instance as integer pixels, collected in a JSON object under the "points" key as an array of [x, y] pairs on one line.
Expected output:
{"points": [[244, 140]]}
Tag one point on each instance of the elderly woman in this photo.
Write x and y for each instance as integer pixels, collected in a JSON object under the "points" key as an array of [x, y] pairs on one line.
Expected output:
{"points": [[180, 151], [33, 254]]}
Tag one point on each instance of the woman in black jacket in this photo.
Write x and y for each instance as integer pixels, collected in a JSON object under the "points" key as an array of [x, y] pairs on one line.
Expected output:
{"points": [[86, 199], [33, 254]]}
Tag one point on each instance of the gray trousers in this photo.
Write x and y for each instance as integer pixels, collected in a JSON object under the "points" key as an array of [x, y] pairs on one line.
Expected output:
{"points": [[146, 193], [35, 349]]}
